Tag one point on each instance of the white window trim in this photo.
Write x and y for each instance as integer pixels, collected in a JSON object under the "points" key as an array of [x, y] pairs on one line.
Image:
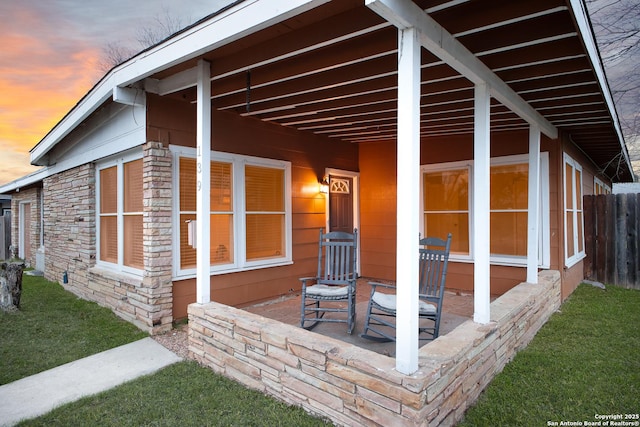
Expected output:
{"points": [[23, 228], [240, 262], [579, 255], [598, 182], [544, 248], [118, 161]]}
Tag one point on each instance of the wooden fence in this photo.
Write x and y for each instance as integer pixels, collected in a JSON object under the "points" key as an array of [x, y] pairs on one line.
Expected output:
{"points": [[612, 239], [5, 236]]}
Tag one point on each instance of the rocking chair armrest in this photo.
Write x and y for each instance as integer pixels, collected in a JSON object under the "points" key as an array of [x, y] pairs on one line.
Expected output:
{"points": [[384, 285], [429, 298], [304, 280]]}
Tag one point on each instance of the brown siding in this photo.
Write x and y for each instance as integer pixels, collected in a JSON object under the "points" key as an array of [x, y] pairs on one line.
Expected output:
{"points": [[572, 276], [378, 210], [173, 122], [378, 204]]}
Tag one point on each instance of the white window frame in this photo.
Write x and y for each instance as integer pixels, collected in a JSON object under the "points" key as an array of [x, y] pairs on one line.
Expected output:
{"points": [[544, 248], [119, 162], [579, 255], [597, 182], [240, 263]]}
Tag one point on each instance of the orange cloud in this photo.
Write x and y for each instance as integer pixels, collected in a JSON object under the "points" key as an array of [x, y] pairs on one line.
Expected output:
{"points": [[41, 79]]}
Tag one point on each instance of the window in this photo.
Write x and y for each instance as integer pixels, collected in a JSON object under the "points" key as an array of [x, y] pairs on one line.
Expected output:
{"points": [[508, 209], [265, 212], [119, 206], [600, 187], [250, 212], [573, 214], [446, 206], [446, 193], [221, 230]]}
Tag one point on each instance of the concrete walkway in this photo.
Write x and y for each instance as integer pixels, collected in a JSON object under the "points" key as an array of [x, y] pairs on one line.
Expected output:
{"points": [[38, 394]]}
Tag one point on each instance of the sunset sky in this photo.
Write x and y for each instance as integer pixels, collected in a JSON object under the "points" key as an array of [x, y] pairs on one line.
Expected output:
{"points": [[50, 57]]}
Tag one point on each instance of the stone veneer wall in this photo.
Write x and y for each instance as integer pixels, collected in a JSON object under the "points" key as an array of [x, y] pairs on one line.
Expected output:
{"points": [[70, 242], [69, 226], [355, 387], [157, 287], [31, 195]]}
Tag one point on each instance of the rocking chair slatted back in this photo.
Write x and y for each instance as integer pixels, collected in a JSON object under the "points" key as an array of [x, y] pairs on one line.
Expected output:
{"points": [[434, 260], [339, 258]]}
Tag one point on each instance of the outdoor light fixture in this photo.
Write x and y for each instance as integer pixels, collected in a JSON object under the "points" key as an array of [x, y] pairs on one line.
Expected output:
{"points": [[324, 185]]}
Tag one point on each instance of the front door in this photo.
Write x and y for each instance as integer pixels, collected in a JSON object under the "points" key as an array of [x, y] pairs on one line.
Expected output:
{"points": [[341, 203]]}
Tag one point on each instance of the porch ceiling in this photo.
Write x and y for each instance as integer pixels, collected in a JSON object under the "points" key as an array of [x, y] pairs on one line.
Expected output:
{"points": [[332, 71]]}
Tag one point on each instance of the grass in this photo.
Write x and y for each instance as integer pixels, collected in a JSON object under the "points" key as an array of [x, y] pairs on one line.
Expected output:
{"points": [[54, 327], [183, 394], [584, 361]]}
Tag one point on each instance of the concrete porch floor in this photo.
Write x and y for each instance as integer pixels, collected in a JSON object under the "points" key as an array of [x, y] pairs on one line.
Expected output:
{"points": [[457, 308]]}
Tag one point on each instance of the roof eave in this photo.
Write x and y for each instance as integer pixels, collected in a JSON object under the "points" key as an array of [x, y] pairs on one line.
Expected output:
{"points": [[578, 9], [230, 24]]}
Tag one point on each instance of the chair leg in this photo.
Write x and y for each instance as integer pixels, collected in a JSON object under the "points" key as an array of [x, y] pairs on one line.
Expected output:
{"points": [[351, 313], [372, 320], [304, 318]]}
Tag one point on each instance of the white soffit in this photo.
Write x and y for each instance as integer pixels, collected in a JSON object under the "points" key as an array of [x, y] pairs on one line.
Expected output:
{"points": [[433, 37]]}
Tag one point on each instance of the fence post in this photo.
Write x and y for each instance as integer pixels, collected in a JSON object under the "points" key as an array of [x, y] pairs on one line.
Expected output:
{"points": [[590, 243], [612, 240], [632, 239], [620, 240]]}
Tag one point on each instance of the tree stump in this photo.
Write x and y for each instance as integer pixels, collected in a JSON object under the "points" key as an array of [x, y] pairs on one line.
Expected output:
{"points": [[10, 285]]}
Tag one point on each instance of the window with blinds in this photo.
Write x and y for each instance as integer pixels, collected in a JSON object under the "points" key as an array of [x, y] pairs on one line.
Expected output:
{"points": [[264, 198], [447, 195], [120, 205], [508, 209], [573, 218], [446, 206], [132, 214], [109, 215], [600, 187], [250, 212], [221, 200]]}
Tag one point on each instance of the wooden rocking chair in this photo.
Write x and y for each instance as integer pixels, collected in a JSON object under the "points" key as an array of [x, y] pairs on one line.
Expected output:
{"points": [[335, 281], [381, 311]]}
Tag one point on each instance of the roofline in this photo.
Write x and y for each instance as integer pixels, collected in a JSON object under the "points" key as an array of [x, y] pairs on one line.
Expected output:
{"points": [[234, 22], [223, 27], [578, 8], [24, 181]]}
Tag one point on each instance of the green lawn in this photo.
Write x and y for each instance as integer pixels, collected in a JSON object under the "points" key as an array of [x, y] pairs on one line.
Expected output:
{"points": [[184, 394], [584, 361], [54, 327]]}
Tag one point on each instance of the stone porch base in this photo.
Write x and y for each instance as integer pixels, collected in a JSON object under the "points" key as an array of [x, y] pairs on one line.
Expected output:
{"points": [[352, 386]]}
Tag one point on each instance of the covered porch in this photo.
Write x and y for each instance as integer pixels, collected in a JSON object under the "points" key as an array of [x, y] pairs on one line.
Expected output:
{"points": [[457, 309]]}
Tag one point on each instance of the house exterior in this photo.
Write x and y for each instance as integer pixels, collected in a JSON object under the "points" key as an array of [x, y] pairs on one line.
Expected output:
{"points": [[427, 117]]}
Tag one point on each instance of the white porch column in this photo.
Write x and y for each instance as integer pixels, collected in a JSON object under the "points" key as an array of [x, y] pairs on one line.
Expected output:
{"points": [[408, 184], [481, 205], [533, 205], [203, 186]]}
